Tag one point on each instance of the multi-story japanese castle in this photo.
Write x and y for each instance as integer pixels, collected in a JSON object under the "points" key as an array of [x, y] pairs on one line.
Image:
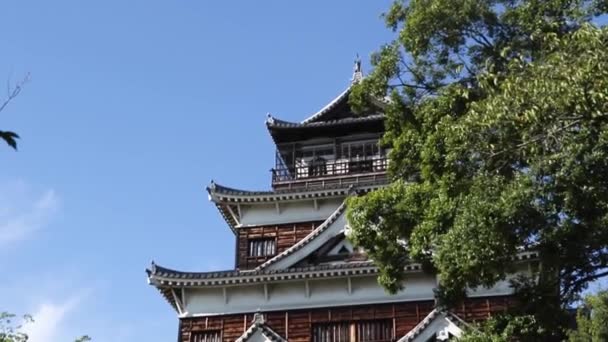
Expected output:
{"points": [[297, 277]]}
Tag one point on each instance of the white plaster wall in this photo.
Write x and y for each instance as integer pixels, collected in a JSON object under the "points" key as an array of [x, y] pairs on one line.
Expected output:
{"points": [[290, 212], [500, 288], [293, 295], [322, 293], [258, 337]]}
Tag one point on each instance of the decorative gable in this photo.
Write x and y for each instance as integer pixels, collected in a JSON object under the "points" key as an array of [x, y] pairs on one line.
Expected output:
{"points": [[260, 332], [327, 231], [436, 326], [343, 247], [337, 250]]}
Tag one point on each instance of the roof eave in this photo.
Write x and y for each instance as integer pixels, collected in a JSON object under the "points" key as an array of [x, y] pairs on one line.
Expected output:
{"points": [[298, 194]]}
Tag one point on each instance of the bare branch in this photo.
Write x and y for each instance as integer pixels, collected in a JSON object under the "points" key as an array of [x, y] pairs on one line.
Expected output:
{"points": [[581, 281], [12, 92]]}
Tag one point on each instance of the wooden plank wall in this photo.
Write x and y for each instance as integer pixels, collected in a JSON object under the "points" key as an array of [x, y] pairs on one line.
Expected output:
{"points": [[296, 325], [286, 235]]}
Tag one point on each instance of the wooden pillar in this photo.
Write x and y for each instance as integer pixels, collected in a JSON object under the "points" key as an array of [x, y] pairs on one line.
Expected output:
{"points": [[394, 322], [222, 329], [287, 325], [489, 307], [353, 332]]}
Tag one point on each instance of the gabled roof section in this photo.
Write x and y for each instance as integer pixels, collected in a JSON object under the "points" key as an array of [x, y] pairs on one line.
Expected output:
{"points": [[259, 331], [337, 250], [335, 107], [166, 278], [287, 132], [220, 193], [332, 227], [331, 110], [272, 122], [226, 199], [436, 326], [335, 118]]}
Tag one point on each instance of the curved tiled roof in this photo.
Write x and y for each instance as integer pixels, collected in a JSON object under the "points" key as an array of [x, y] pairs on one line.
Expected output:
{"points": [[221, 189], [165, 279], [161, 276], [337, 114], [343, 96], [224, 193], [274, 123]]}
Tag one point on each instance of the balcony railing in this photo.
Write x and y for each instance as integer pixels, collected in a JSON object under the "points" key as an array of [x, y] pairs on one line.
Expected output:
{"points": [[320, 168]]}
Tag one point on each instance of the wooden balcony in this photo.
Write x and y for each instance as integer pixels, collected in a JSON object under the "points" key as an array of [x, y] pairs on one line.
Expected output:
{"points": [[321, 172]]}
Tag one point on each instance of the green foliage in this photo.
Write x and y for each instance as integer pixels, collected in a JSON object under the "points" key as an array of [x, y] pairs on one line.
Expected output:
{"points": [[506, 328], [498, 130], [592, 319], [11, 331]]}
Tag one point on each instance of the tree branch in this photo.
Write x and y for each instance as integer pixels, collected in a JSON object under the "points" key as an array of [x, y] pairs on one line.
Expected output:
{"points": [[12, 93], [584, 280], [483, 41], [537, 138]]}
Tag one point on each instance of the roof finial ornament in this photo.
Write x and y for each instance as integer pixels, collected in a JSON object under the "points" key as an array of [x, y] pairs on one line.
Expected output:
{"points": [[153, 267], [269, 118], [258, 318], [357, 72]]}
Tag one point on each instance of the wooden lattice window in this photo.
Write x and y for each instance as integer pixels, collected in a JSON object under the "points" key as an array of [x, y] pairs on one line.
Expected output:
{"points": [[360, 331], [374, 331], [206, 336], [262, 247]]}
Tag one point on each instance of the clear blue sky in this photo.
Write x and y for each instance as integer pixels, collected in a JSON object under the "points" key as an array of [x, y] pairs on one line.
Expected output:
{"points": [[134, 106]]}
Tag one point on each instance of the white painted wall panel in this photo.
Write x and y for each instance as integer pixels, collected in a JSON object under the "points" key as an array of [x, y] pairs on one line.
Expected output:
{"points": [[322, 293], [292, 295], [290, 212]]}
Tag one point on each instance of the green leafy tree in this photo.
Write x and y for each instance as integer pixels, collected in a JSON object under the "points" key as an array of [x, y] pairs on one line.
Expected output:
{"points": [[592, 319], [11, 331], [505, 328], [497, 124]]}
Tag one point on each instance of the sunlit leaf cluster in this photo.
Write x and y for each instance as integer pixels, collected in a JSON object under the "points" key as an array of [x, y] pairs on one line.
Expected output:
{"points": [[498, 132]]}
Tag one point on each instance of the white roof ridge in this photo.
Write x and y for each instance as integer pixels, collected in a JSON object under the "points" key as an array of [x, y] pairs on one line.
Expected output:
{"points": [[260, 325], [328, 106], [430, 318], [356, 78]]}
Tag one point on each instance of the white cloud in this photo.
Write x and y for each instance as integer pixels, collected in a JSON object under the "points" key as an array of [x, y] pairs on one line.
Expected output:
{"points": [[49, 320], [24, 211]]}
